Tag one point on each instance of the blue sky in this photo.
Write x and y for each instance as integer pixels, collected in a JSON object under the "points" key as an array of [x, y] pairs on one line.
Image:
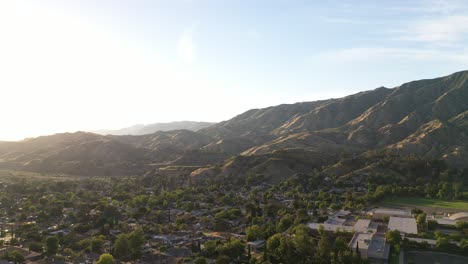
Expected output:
{"points": [[83, 65]]}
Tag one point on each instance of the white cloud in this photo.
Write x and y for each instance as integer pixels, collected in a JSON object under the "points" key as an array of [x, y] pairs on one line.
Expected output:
{"points": [[385, 53], [254, 34], [186, 49], [432, 7], [441, 31], [339, 20]]}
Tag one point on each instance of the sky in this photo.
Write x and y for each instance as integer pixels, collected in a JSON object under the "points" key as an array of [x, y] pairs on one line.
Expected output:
{"points": [[69, 65]]}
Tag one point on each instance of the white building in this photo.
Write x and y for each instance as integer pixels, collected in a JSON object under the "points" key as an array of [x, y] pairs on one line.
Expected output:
{"points": [[402, 224], [370, 246], [381, 213]]}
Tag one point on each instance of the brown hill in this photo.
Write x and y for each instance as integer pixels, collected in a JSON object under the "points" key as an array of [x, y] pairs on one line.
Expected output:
{"points": [[427, 118]]}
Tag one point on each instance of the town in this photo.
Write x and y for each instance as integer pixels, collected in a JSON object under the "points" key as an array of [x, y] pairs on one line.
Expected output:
{"points": [[154, 219]]}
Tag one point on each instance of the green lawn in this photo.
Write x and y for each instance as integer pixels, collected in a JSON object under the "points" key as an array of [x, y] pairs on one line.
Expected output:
{"points": [[435, 203]]}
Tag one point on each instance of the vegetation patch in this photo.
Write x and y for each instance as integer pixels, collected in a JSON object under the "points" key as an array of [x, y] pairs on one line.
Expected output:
{"points": [[435, 203]]}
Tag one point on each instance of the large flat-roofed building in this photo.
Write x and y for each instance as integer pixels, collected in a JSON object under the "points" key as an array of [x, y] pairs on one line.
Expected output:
{"points": [[370, 246], [335, 221], [402, 224], [365, 226], [462, 216], [381, 213]]}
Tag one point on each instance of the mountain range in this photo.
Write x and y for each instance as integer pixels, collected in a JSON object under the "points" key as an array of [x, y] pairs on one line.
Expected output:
{"points": [[152, 128], [424, 118]]}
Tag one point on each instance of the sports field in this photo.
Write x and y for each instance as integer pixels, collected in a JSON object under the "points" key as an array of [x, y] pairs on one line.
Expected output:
{"points": [[425, 202], [415, 257]]}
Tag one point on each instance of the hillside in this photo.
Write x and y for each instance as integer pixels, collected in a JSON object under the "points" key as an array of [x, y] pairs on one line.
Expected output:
{"points": [[426, 118], [152, 128]]}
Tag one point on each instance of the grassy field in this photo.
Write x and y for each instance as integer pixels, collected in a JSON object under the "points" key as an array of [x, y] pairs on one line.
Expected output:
{"points": [[425, 202]]}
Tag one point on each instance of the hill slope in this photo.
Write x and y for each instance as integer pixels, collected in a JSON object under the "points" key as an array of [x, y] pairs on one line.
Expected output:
{"points": [[152, 128], [427, 118]]}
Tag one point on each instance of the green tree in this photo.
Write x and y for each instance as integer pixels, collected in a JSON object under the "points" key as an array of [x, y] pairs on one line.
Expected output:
{"points": [[13, 256], [96, 244], [122, 246], [199, 260], [304, 244], [209, 249], [421, 220], [137, 240], [106, 259], [36, 247], [432, 224], [223, 260], [393, 237], [323, 249], [52, 244], [285, 222], [273, 245], [253, 233], [233, 249]]}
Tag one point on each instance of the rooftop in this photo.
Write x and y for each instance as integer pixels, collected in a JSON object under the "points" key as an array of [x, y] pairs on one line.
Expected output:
{"points": [[392, 211], [402, 224], [335, 221], [459, 216], [330, 227], [378, 248], [364, 226], [362, 239], [370, 245], [342, 213]]}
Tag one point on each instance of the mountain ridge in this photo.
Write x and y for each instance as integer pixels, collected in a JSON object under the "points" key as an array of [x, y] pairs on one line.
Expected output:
{"points": [[427, 118], [141, 129]]}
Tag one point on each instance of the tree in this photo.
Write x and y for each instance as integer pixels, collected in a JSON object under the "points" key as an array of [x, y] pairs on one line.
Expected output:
{"points": [[273, 244], [285, 222], [35, 246], [461, 225], [96, 244], [137, 240], [106, 259], [393, 237], [324, 248], [129, 245], [304, 243], [421, 219], [443, 243], [199, 260], [253, 233], [233, 248], [14, 241], [209, 249], [223, 260], [14, 256], [122, 246], [51, 246], [432, 224]]}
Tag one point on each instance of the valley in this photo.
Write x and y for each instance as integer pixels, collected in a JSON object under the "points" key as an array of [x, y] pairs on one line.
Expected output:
{"points": [[299, 183]]}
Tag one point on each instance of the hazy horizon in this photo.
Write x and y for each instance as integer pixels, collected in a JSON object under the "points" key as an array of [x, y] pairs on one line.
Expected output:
{"points": [[80, 65]]}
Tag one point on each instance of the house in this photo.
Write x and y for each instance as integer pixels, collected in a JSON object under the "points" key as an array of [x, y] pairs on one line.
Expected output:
{"points": [[342, 214], [463, 216], [365, 226], [382, 213], [158, 258], [256, 245], [335, 221], [370, 246], [404, 225], [445, 222], [330, 227], [177, 252]]}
